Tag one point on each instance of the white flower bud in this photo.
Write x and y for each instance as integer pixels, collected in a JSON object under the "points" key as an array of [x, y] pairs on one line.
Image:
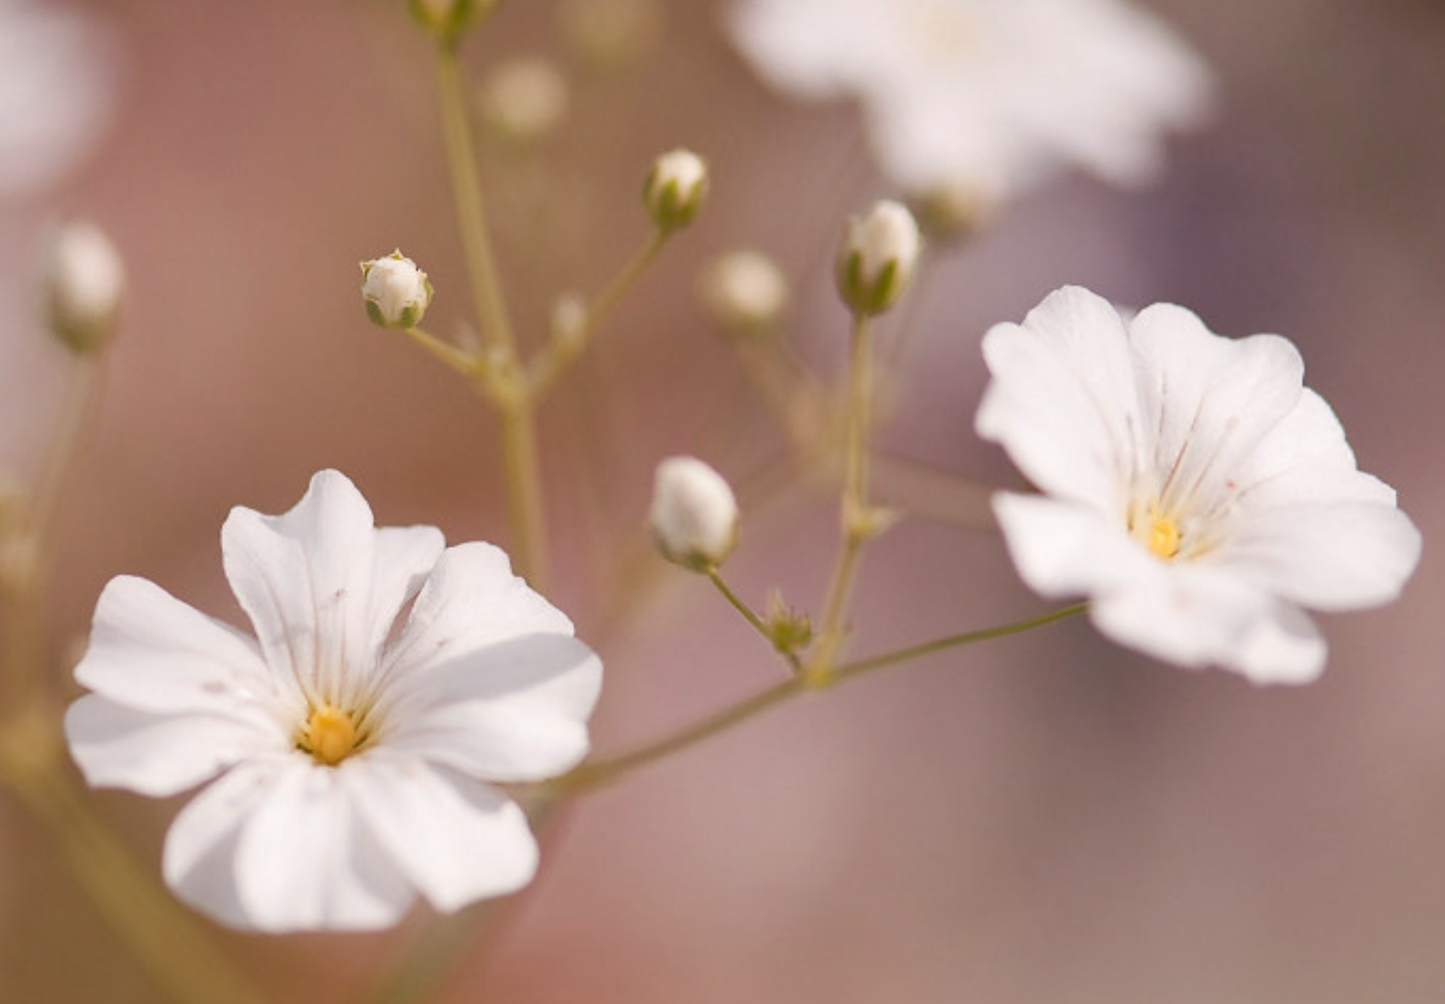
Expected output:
{"points": [[83, 284], [396, 292], [694, 514], [745, 290], [880, 251], [449, 18], [675, 189], [524, 99]]}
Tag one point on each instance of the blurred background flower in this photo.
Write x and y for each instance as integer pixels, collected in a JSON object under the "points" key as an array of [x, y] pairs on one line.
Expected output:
{"points": [[1049, 818]]}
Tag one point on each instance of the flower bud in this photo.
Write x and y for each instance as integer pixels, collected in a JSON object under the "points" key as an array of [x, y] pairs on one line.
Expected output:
{"points": [[745, 290], [880, 251], [396, 292], [675, 189], [447, 19], [524, 99], [83, 283], [694, 515]]}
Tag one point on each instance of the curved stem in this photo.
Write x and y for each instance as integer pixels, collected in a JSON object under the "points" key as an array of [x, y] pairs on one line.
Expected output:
{"points": [[596, 772]]}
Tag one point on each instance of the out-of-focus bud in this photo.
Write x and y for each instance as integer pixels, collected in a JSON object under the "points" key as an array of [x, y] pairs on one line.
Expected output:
{"points": [[447, 19], [396, 292], [83, 284], [952, 210], [524, 99], [610, 34], [675, 189], [745, 291], [694, 514], [880, 251]]}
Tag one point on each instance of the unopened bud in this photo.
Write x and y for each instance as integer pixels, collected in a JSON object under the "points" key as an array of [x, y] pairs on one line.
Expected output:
{"points": [[694, 514], [524, 99], [951, 210], [83, 283], [675, 189], [880, 251], [447, 19], [745, 290], [611, 34], [396, 292]]}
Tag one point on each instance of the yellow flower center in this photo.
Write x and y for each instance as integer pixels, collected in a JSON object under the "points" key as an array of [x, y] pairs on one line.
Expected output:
{"points": [[1163, 536], [329, 735]]}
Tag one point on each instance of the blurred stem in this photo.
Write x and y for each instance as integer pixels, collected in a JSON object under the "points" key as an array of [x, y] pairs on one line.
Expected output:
{"points": [[566, 345], [163, 937], [81, 396], [751, 616], [524, 490], [857, 522], [491, 305], [598, 771]]}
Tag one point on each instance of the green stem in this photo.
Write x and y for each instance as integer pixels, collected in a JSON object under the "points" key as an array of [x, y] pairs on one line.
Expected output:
{"points": [[491, 304], [750, 615], [524, 491], [566, 345], [596, 772], [448, 355]]}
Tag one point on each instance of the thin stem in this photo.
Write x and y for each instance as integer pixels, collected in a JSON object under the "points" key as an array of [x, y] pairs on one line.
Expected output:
{"points": [[162, 936], [855, 518], [567, 344], [81, 397], [604, 770], [491, 304], [524, 491], [448, 355], [750, 615]]}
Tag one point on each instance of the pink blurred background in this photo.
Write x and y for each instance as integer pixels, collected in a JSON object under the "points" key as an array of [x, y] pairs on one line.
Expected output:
{"points": [[1041, 820]]}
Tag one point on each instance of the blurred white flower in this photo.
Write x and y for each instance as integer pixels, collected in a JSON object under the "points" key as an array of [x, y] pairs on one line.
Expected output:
{"points": [[83, 281], [1194, 489], [388, 681], [988, 95], [56, 69]]}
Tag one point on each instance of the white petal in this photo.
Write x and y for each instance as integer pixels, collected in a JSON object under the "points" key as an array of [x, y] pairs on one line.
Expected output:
{"points": [[1066, 549], [153, 652], [321, 585], [160, 754], [1062, 401], [1194, 617], [513, 711], [470, 601], [1209, 401], [306, 860], [456, 840], [1329, 557]]}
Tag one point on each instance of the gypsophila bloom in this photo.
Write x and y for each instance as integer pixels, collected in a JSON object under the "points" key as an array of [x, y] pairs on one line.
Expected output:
{"points": [[745, 290], [675, 189], [389, 680], [395, 291], [1193, 488], [83, 281], [56, 66], [694, 515], [993, 95], [524, 98], [879, 253]]}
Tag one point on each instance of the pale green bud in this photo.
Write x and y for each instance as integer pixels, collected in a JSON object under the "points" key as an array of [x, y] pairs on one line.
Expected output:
{"points": [[879, 254], [396, 292], [675, 189], [83, 283]]}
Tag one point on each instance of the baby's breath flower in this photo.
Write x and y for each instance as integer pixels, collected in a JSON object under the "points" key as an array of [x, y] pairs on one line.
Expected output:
{"points": [[396, 292], [354, 738], [524, 98], [745, 290], [879, 253], [1193, 488], [675, 189], [694, 514], [83, 281]]}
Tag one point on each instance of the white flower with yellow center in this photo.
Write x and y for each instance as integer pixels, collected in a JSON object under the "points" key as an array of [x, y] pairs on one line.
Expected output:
{"points": [[390, 679], [985, 96], [1193, 488]]}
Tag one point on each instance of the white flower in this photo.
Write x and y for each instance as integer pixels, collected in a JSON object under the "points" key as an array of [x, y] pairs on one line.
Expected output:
{"points": [[745, 290], [1194, 489], [675, 188], [396, 292], [55, 91], [879, 253], [994, 95], [84, 281], [388, 682], [694, 514]]}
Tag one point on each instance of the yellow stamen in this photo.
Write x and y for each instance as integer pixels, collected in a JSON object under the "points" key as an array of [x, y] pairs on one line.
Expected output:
{"points": [[1163, 535], [329, 735]]}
